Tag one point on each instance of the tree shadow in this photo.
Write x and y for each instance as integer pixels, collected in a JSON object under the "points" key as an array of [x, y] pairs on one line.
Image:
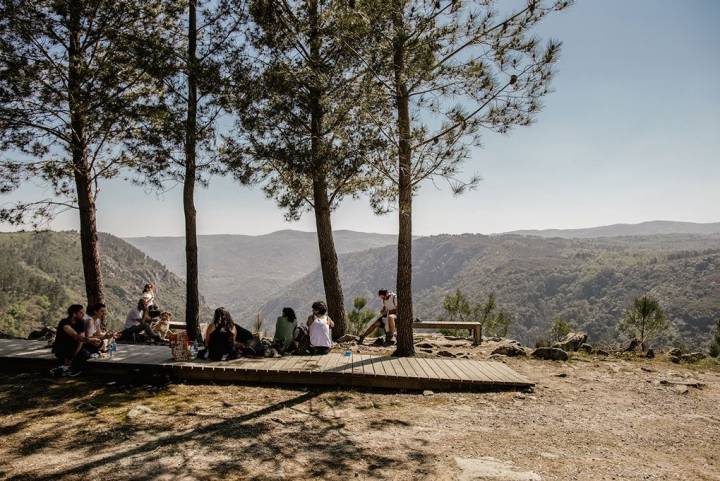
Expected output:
{"points": [[305, 443]]}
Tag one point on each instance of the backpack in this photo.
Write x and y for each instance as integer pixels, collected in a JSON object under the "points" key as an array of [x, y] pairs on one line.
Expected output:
{"points": [[221, 343]]}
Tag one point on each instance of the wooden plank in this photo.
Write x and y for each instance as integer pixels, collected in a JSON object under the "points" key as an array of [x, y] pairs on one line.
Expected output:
{"points": [[473, 371], [407, 365], [420, 367], [498, 374], [330, 369], [432, 373], [378, 366], [389, 366]]}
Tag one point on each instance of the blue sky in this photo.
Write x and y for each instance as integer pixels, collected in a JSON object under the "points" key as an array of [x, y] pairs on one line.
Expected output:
{"points": [[631, 133]]}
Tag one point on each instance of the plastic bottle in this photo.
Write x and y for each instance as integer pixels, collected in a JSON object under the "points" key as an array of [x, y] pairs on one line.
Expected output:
{"points": [[113, 348]]}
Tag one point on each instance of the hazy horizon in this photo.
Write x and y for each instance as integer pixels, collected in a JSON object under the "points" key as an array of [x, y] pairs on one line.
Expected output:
{"points": [[629, 135]]}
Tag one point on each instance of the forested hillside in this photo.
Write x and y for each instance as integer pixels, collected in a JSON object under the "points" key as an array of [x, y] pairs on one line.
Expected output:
{"points": [[585, 281], [41, 274], [240, 272]]}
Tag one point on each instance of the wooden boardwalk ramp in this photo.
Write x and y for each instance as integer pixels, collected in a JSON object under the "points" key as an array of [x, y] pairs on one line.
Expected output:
{"points": [[361, 370]]}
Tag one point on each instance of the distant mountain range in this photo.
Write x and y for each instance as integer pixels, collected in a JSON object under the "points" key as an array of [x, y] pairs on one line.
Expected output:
{"points": [[588, 282], [654, 227], [586, 276], [41, 275], [241, 272]]}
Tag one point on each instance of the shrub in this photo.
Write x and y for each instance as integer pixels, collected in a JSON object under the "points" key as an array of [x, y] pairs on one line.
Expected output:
{"points": [[560, 329], [715, 343], [643, 320], [359, 318]]}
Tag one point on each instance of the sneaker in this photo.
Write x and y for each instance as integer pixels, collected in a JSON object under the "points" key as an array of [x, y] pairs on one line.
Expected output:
{"points": [[390, 340], [58, 371]]}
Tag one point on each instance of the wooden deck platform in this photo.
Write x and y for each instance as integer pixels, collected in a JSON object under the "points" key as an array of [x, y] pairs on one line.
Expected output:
{"points": [[359, 370]]}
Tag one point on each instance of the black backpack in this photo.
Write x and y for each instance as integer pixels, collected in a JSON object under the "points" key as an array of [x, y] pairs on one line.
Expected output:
{"points": [[221, 343]]}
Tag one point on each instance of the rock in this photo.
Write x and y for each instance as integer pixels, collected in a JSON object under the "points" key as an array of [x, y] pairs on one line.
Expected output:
{"points": [[634, 344], [445, 354], [560, 374], [550, 354], [510, 350], [138, 410], [495, 339], [601, 352], [650, 354], [586, 348], [675, 359], [675, 352], [45, 333], [689, 383], [693, 357], [646, 369], [429, 351], [427, 392], [424, 345], [348, 338], [572, 341], [680, 389]]}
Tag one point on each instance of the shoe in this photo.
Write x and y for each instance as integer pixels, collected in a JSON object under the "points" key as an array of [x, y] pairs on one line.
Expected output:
{"points": [[58, 371], [390, 340]]}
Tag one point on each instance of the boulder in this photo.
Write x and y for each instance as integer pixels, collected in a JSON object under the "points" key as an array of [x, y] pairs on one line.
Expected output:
{"points": [[348, 338], [675, 352], [509, 349], [634, 344], [601, 352], [586, 348], [692, 357], [572, 341], [424, 345], [650, 354], [675, 359], [550, 354]]}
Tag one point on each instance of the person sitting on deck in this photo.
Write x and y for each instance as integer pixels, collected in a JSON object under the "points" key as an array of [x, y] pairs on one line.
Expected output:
{"points": [[388, 316], [70, 344], [138, 322], [285, 326], [150, 295], [220, 336], [95, 328], [319, 329]]}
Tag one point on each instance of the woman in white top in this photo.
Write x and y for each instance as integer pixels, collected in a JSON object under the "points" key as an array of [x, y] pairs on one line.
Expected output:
{"points": [[320, 329]]}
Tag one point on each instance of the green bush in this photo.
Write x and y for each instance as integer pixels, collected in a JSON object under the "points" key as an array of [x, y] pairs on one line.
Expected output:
{"points": [[358, 318], [560, 329], [715, 343]]}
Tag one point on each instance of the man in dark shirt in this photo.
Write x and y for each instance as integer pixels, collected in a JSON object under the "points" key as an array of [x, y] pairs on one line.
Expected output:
{"points": [[70, 341]]}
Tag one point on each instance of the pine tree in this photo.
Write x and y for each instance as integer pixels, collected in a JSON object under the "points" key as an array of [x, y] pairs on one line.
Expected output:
{"points": [[449, 69], [303, 129], [70, 91], [643, 320], [189, 65]]}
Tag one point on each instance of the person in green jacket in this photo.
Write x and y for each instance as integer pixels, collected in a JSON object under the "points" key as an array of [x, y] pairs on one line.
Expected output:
{"points": [[284, 340]]}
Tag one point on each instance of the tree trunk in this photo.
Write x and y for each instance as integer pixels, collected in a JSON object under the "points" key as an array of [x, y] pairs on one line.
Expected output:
{"points": [[326, 243], [81, 167], [405, 344], [192, 296], [328, 259]]}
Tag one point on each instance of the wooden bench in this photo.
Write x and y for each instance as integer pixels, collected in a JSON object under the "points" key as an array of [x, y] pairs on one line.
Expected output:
{"points": [[474, 327]]}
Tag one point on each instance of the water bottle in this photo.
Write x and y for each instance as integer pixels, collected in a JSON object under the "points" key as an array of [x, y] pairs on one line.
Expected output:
{"points": [[113, 348], [347, 355], [193, 349]]}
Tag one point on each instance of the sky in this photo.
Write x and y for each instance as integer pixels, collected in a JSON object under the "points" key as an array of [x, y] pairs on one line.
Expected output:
{"points": [[631, 134]]}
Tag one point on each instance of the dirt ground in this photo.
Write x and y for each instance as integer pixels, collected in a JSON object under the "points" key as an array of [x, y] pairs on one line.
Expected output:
{"points": [[591, 418]]}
